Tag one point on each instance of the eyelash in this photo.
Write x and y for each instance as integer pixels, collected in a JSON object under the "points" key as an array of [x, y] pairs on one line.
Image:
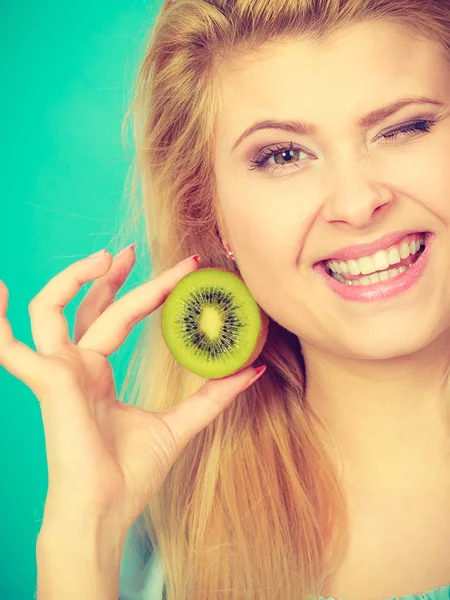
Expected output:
{"points": [[261, 162]]}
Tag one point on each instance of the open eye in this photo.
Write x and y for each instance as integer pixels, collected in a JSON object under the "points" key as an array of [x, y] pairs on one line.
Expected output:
{"points": [[261, 162]]}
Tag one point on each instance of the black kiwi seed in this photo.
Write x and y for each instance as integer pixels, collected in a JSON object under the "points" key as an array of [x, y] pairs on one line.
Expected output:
{"points": [[212, 324]]}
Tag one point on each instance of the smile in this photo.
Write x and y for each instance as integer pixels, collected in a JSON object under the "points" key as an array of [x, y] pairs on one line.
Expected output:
{"points": [[379, 276], [378, 267]]}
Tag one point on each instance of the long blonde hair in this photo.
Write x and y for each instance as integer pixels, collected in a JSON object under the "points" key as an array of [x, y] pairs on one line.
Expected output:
{"points": [[253, 508]]}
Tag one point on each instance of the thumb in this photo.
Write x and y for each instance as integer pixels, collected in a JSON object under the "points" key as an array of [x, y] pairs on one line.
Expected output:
{"points": [[196, 412]]}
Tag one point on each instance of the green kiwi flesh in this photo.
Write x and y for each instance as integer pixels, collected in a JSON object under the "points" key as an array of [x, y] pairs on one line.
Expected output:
{"points": [[211, 323]]}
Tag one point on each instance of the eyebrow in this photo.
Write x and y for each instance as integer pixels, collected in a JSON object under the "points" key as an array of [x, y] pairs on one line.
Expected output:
{"points": [[304, 128]]}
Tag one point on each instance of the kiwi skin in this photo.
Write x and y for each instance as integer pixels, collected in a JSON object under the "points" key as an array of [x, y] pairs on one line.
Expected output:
{"points": [[263, 332]]}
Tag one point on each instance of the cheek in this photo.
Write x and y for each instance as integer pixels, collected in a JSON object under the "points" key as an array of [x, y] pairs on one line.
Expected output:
{"points": [[434, 186], [423, 175], [272, 208]]}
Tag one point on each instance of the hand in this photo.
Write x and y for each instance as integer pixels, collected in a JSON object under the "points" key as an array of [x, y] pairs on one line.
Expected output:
{"points": [[104, 456]]}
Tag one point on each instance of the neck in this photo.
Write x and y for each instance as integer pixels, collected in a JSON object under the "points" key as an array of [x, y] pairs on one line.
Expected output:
{"points": [[388, 418]]}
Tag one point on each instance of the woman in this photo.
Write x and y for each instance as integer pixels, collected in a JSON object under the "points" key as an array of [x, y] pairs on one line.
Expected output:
{"points": [[303, 143]]}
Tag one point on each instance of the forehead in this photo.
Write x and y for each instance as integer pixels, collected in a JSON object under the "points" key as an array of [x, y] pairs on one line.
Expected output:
{"points": [[360, 68]]}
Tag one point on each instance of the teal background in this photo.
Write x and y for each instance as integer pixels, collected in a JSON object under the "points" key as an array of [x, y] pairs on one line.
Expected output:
{"points": [[67, 72]]}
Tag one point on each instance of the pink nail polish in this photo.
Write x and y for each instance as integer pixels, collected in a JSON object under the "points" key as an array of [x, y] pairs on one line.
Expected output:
{"points": [[97, 254], [130, 247], [195, 257], [259, 372]]}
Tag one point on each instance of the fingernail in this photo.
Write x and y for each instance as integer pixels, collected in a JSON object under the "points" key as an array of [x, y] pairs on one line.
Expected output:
{"points": [[97, 254], [259, 372], [130, 247], [195, 257]]}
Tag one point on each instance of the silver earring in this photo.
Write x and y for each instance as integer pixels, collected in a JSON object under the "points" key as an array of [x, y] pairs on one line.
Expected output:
{"points": [[230, 252]]}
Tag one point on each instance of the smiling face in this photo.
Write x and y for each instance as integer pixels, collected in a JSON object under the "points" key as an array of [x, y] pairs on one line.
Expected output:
{"points": [[340, 183]]}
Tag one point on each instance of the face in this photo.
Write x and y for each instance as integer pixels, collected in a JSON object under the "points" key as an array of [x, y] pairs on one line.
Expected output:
{"points": [[343, 183]]}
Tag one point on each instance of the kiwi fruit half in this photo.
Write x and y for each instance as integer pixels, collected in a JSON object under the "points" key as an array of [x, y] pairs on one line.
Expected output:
{"points": [[212, 324]]}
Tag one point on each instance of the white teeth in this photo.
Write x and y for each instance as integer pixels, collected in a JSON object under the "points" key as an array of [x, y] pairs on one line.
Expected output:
{"points": [[376, 262], [366, 265], [404, 250], [394, 256], [344, 267], [380, 261], [364, 280], [372, 278], [354, 268]]}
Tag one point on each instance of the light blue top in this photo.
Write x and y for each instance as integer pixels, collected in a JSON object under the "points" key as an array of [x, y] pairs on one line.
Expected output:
{"points": [[142, 578]]}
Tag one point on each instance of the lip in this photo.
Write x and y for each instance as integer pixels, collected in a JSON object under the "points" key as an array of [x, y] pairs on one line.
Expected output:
{"points": [[367, 249], [385, 289]]}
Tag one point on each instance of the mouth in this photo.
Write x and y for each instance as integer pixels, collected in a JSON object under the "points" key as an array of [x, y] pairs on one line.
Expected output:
{"points": [[383, 265], [381, 276]]}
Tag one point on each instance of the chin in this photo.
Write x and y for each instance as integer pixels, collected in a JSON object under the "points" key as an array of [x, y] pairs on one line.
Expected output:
{"points": [[385, 344]]}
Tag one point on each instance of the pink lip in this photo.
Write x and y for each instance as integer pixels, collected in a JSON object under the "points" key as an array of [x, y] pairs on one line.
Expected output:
{"points": [[357, 250], [385, 289]]}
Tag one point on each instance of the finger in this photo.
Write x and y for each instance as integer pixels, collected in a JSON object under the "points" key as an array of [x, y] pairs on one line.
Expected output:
{"points": [[48, 323], [17, 358], [113, 326], [103, 292], [196, 412]]}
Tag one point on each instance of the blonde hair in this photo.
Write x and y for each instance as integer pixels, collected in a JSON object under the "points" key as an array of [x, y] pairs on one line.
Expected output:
{"points": [[253, 508]]}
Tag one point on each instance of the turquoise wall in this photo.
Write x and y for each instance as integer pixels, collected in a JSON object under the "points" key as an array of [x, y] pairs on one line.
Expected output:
{"points": [[67, 70]]}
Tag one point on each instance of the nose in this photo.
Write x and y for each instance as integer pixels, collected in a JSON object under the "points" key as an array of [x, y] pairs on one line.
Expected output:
{"points": [[356, 196]]}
